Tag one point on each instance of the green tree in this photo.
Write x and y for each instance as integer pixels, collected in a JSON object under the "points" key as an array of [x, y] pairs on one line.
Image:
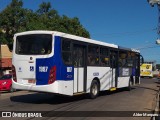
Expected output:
{"points": [[44, 8], [11, 18], [14, 18]]}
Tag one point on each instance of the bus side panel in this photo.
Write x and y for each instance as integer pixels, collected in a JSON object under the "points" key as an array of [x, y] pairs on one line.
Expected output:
{"points": [[65, 87], [43, 67], [64, 74], [123, 82], [104, 74]]}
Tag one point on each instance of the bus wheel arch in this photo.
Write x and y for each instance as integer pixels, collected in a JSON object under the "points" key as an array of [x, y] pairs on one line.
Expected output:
{"points": [[94, 88], [97, 79]]}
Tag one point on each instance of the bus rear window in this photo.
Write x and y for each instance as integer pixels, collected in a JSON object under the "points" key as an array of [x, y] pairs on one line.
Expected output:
{"points": [[34, 44]]}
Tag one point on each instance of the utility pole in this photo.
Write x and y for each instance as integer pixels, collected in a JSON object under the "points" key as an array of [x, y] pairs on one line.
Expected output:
{"points": [[153, 3]]}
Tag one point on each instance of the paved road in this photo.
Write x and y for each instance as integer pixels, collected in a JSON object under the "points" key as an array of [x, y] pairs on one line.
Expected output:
{"points": [[141, 98]]}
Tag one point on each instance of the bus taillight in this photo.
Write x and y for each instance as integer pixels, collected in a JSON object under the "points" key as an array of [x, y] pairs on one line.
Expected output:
{"points": [[52, 75], [14, 73]]}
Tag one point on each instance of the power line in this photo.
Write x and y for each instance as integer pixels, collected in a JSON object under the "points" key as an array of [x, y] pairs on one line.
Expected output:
{"points": [[126, 33]]}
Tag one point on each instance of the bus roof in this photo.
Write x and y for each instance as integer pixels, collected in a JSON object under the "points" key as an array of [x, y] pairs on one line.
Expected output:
{"points": [[128, 49], [68, 36], [75, 38]]}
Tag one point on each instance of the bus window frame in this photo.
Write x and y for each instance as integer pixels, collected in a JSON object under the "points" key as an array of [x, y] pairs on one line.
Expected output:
{"points": [[105, 56], [93, 55], [132, 58]]}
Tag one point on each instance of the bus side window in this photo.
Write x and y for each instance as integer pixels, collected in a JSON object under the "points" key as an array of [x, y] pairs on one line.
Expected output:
{"points": [[66, 51], [67, 58], [93, 60], [93, 55], [122, 59], [75, 62], [78, 57], [104, 59]]}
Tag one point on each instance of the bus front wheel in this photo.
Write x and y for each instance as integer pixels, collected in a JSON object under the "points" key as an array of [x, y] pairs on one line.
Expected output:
{"points": [[94, 89]]}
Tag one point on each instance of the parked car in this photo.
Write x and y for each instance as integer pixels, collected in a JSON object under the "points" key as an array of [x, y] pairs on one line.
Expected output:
{"points": [[6, 83]]}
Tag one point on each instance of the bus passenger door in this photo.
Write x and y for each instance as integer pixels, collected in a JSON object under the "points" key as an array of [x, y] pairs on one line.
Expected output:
{"points": [[79, 55], [138, 62], [114, 68]]}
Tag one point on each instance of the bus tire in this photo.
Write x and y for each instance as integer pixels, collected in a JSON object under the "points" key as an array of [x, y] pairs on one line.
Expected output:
{"points": [[94, 89], [129, 85]]}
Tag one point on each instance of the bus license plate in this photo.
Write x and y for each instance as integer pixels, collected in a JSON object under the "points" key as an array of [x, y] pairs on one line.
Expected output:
{"points": [[31, 81]]}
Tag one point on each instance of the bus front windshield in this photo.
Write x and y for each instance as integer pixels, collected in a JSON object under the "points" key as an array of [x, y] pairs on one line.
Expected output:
{"points": [[34, 44]]}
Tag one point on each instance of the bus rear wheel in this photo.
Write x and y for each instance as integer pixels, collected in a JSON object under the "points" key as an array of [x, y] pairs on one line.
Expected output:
{"points": [[94, 89], [129, 88]]}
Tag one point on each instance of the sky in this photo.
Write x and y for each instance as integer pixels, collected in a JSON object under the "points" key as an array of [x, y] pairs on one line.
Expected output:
{"points": [[127, 23]]}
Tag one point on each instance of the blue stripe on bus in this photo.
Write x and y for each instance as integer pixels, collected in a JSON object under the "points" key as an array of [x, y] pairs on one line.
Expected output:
{"points": [[42, 76]]}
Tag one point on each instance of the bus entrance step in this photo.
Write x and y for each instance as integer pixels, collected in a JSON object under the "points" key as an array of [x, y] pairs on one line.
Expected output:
{"points": [[79, 93], [113, 89]]}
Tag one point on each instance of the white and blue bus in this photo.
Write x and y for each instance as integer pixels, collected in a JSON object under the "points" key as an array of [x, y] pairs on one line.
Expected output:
{"points": [[55, 62]]}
